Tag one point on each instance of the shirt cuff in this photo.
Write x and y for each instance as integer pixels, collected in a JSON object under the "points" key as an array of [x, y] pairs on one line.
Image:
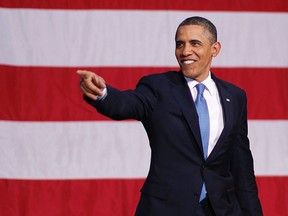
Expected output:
{"points": [[103, 95]]}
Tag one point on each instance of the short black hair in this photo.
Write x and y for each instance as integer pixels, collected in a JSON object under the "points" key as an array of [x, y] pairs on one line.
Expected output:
{"points": [[207, 24]]}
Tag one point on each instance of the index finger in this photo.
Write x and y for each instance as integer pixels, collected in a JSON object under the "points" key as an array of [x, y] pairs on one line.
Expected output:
{"points": [[83, 73]]}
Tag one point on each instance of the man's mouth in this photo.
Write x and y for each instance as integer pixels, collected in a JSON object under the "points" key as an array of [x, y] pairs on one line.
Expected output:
{"points": [[187, 62]]}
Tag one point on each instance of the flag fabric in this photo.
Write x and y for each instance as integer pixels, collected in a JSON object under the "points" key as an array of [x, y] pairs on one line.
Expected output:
{"points": [[59, 157]]}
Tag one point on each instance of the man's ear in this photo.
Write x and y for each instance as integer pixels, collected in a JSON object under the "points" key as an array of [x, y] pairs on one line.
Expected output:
{"points": [[216, 47]]}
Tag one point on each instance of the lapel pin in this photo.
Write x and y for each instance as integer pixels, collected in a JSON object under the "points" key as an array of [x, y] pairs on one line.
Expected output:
{"points": [[227, 99]]}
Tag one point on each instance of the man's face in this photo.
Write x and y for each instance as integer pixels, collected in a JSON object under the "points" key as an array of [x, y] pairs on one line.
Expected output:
{"points": [[194, 51]]}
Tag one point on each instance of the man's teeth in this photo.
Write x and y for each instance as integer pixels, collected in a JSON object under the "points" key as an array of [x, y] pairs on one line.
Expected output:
{"points": [[188, 62]]}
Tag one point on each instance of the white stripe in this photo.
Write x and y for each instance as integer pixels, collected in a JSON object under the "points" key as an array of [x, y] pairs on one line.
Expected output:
{"points": [[269, 145], [134, 38], [73, 150], [77, 150]]}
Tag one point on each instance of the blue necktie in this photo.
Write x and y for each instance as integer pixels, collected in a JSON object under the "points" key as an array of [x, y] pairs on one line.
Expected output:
{"points": [[203, 115]]}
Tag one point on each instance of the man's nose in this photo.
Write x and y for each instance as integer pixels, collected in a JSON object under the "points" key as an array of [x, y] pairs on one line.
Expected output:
{"points": [[187, 50]]}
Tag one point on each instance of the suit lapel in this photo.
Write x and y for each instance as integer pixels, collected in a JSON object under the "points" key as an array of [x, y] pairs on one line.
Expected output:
{"points": [[226, 99], [182, 95]]}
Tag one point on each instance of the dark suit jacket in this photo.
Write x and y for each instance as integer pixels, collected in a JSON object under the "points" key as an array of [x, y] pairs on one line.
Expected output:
{"points": [[163, 103]]}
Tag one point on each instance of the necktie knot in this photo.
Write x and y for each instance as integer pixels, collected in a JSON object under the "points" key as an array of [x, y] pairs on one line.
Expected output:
{"points": [[200, 88]]}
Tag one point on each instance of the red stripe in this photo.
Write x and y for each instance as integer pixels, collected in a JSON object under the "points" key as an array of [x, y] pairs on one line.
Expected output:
{"points": [[64, 197], [106, 197], [195, 5], [52, 94], [273, 195]]}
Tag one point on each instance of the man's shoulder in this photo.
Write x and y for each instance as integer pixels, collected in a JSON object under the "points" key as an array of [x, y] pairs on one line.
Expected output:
{"points": [[162, 74], [161, 78], [229, 86]]}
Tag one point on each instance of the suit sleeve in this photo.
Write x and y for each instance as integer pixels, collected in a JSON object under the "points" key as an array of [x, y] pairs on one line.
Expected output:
{"points": [[243, 168], [130, 104]]}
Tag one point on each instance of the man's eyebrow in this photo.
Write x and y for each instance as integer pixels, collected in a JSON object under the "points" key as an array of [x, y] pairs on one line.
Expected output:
{"points": [[195, 41], [191, 41]]}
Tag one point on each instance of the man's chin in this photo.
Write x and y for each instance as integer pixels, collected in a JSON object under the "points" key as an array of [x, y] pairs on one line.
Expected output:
{"points": [[188, 73]]}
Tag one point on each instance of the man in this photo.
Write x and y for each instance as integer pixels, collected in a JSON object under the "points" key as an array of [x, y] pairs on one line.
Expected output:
{"points": [[201, 162]]}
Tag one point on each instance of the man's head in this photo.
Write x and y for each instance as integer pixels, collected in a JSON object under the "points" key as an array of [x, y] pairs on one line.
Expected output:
{"points": [[196, 45], [209, 27]]}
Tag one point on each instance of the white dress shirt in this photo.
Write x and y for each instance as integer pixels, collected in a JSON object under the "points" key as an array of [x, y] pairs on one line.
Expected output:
{"points": [[212, 98]]}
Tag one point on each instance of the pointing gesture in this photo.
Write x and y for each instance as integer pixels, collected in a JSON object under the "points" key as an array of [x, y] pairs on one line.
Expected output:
{"points": [[91, 84]]}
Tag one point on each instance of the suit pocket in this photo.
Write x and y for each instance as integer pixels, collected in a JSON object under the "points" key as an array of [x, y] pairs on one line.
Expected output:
{"points": [[156, 190]]}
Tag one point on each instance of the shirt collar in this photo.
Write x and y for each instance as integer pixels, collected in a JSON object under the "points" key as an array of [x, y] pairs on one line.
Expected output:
{"points": [[208, 82]]}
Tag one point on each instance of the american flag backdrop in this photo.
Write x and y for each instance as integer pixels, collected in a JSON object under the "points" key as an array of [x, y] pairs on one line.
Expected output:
{"points": [[59, 157]]}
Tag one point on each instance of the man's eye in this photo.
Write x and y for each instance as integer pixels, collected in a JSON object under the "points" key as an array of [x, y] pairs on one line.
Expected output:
{"points": [[179, 45], [195, 43]]}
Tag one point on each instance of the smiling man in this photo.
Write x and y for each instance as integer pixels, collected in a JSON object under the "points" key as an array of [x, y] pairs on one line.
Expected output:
{"points": [[201, 163]]}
